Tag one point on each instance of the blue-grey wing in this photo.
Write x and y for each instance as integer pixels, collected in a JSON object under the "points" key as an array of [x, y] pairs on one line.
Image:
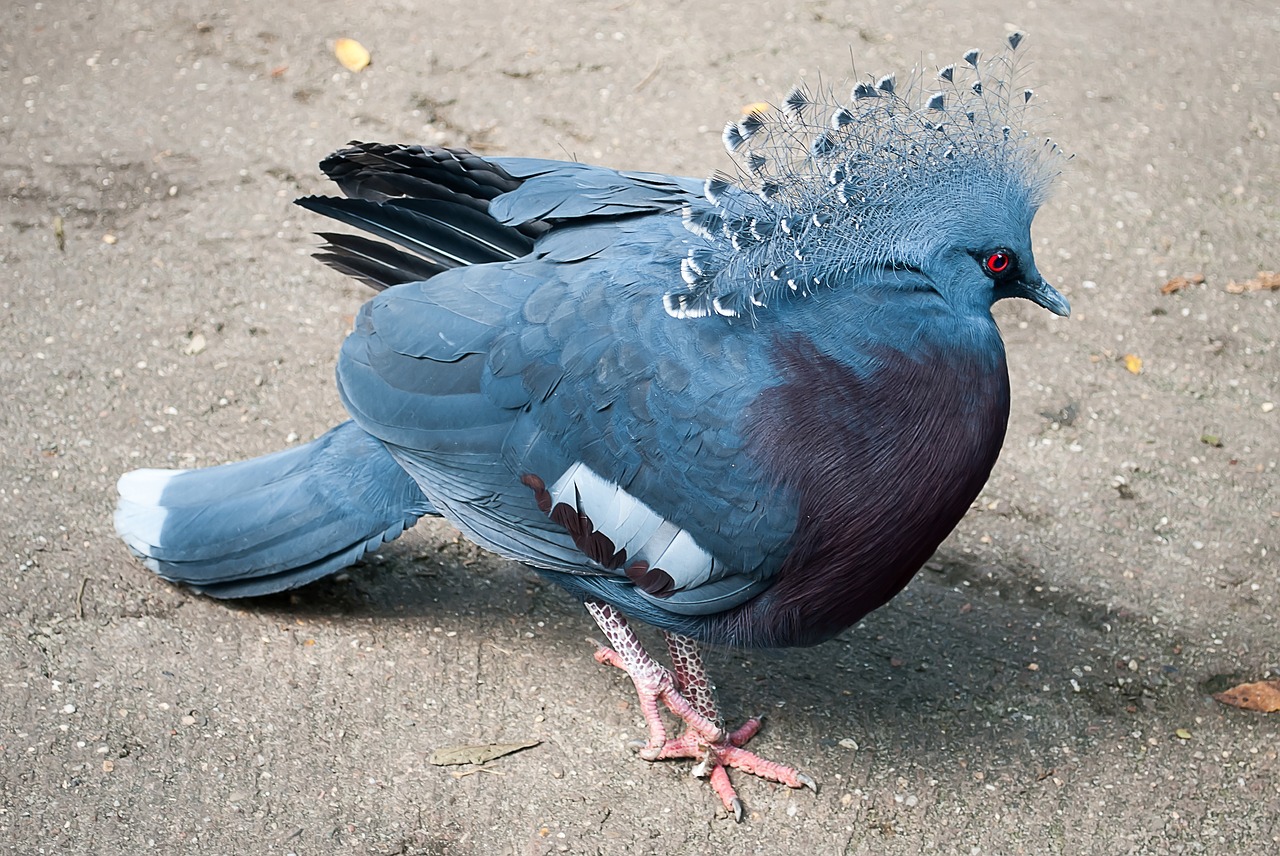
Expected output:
{"points": [[556, 413], [557, 191]]}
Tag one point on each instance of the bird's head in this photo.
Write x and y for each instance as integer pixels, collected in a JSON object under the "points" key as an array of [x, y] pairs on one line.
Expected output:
{"points": [[939, 178], [972, 265]]}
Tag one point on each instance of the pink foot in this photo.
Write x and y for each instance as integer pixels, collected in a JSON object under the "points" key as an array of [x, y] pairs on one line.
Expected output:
{"points": [[703, 740]]}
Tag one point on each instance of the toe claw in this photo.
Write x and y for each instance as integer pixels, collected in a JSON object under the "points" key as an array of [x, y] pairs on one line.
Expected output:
{"points": [[647, 752], [807, 782], [737, 810]]}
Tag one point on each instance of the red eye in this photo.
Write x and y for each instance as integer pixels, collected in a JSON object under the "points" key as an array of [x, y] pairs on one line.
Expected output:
{"points": [[999, 262]]}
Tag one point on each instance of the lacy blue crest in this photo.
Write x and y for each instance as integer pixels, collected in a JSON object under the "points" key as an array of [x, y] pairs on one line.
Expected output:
{"points": [[826, 189]]}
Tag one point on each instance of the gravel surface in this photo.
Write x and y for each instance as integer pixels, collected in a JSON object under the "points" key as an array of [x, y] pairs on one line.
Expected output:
{"points": [[1026, 694]]}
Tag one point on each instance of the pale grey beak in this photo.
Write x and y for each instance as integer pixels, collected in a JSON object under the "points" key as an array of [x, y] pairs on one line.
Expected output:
{"points": [[1046, 295]]}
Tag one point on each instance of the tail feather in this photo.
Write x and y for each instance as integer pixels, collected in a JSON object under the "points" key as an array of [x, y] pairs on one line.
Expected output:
{"points": [[271, 523]]}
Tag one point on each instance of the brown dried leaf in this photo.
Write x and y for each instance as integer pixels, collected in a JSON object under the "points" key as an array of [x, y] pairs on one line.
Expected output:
{"points": [[1266, 280], [1133, 363], [477, 753], [353, 55], [1262, 696], [1180, 282]]}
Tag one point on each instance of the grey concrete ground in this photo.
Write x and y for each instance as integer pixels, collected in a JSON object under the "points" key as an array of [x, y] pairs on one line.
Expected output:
{"points": [[1022, 696]]}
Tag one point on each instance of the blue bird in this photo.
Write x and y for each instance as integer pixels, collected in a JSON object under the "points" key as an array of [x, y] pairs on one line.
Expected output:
{"points": [[745, 410]]}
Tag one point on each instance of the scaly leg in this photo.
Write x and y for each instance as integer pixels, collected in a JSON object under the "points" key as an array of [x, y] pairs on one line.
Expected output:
{"points": [[688, 694]]}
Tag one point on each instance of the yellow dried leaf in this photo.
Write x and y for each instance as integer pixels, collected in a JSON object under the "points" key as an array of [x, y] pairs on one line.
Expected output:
{"points": [[353, 55], [755, 107], [1133, 363], [1262, 696]]}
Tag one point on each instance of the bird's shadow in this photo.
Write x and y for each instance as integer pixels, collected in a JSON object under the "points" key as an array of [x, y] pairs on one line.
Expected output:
{"points": [[983, 650]]}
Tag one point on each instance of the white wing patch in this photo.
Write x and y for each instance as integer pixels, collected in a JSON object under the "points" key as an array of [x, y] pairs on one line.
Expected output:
{"points": [[633, 526]]}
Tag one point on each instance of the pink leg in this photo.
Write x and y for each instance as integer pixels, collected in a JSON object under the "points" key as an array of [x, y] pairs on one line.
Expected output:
{"points": [[691, 674], [695, 685], [689, 694]]}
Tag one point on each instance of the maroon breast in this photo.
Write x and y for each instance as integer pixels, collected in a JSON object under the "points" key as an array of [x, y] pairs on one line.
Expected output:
{"points": [[882, 463]]}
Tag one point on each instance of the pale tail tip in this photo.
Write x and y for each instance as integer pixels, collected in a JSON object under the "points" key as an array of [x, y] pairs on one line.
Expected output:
{"points": [[139, 517], [144, 487]]}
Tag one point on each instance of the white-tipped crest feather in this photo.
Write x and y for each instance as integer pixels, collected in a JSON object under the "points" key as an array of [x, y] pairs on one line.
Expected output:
{"points": [[870, 182]]}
